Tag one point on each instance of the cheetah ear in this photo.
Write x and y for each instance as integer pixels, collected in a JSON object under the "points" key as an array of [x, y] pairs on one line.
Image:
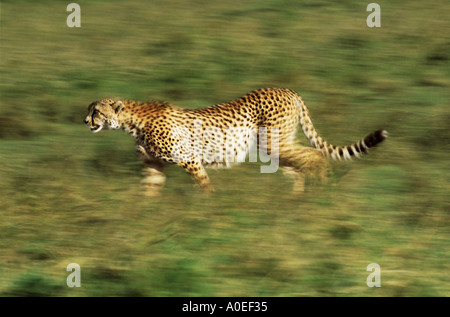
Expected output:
{"points": [[118, 106]]}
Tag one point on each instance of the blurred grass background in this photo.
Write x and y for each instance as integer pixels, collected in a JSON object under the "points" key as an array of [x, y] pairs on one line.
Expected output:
{"points": [[70, 196]]}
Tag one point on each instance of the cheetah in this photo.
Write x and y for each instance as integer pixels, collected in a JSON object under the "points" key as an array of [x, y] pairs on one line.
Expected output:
{"points": [[223, 134]]}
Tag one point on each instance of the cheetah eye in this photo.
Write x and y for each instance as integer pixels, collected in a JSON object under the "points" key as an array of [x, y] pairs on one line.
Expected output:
{"points": [[97, 113]]}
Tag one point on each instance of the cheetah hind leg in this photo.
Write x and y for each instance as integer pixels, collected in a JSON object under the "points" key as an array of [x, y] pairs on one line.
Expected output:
{"points": [[298, 161], [153, 176], [297, 176]]}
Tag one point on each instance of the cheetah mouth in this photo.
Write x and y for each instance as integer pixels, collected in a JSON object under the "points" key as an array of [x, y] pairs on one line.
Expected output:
{"points": [[96, 128]]}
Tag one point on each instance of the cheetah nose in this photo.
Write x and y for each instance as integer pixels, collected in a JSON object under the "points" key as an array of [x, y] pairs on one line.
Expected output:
{"points": [[86, 121]]}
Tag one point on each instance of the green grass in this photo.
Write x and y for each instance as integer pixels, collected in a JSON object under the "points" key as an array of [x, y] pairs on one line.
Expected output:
{"points": [[72, 197]]}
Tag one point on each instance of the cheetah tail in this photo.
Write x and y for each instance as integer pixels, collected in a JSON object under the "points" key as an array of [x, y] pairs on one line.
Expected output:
{"points": [[338, 153], [348, 152]]}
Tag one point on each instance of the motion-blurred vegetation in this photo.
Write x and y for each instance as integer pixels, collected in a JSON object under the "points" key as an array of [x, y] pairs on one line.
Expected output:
{"points": [[68, 196]]}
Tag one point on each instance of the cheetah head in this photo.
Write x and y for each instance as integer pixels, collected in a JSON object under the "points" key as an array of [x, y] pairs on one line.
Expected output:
{"points": [[103, 114]]}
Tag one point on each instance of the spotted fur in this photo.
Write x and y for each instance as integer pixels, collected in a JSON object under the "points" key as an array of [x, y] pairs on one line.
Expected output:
{"points": [[163, 133]]}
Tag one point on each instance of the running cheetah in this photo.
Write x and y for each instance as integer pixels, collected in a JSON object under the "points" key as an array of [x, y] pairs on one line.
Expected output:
{"points": [[224, 134]]}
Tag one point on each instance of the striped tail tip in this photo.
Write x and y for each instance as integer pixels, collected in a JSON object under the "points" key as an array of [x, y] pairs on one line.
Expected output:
{"points": [[357, 149], [375, 138]]}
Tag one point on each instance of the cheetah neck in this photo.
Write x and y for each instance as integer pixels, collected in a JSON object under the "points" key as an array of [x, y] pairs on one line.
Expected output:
{"points": [[129, 118]]}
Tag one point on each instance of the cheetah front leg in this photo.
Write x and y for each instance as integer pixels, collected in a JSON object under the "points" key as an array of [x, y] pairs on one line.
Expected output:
{"points": [[198, 172], [154, 178]]}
